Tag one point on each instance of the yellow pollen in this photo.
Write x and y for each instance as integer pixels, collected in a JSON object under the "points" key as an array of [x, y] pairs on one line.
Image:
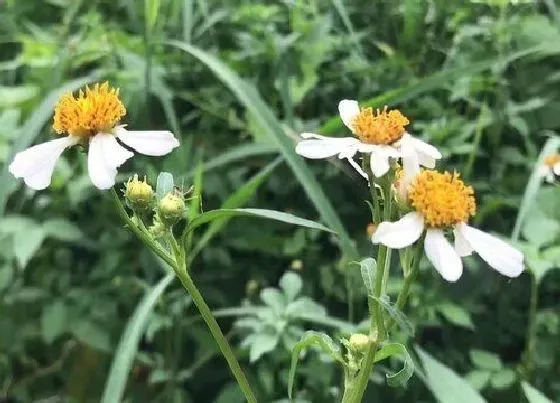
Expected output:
{"points": [[98, 109], [551, 160], [442, 198], [384, 127]]}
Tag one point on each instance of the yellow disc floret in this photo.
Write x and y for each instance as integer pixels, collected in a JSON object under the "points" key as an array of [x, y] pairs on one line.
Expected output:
{"points": [[551, 160], [442, 198], [96, 110], [383, 127]]}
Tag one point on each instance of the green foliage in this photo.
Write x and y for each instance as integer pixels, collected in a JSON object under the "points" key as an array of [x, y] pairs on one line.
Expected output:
{"points": [[237, 82]]}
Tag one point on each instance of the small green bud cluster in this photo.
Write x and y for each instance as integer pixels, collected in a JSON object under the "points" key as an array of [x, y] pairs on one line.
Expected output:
{"points": [[171, 208], [139, 195]]}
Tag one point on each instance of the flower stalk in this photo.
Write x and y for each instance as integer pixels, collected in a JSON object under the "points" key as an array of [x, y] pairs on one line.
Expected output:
{"points": [[178, 262]]}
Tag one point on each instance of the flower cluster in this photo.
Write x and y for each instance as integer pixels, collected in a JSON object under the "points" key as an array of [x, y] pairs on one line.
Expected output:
{"points": [[433, 203], [92, 120]]}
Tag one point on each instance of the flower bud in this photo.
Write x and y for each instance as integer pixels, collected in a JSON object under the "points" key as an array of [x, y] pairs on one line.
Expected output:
{"points": [[139, 194], [171, 208], [359, 342]]}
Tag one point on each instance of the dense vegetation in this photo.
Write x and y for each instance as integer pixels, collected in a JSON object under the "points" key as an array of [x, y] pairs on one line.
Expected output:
{"points": [[236, 81]]}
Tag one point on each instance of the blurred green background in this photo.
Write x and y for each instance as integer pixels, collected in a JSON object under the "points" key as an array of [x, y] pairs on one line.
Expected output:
{"points": [[236, 81]]}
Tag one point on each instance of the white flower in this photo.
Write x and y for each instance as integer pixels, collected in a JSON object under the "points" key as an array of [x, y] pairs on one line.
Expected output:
{"points": [[442, 201], [91, 120], [381, 135], [550, 167]]}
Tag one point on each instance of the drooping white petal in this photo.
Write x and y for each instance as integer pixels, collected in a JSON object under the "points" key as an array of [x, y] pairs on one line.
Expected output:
{"points": [[426, 153], [379, 163], [357, 167], [105, 155], [462, 246], [411, 165], [36, 164], [442, 255], [148, 142], [324, 147], [348, 110], [401, 233], [498, 254], [556, 168]]}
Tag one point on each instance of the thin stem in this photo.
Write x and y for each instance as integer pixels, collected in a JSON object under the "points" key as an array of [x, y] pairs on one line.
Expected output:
{"points": [[178, 264], [527, 363], [408, 280], [219, 337]]}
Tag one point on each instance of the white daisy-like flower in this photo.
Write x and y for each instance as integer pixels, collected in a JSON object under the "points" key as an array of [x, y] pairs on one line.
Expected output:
{"points": [[443, 202], [381, 134], [550, 167], [90, 119]]}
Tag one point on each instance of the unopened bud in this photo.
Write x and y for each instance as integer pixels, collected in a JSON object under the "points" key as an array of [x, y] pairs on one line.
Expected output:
{"points": [[139, 194], [359, 342], [171, 208], [297, 265]]}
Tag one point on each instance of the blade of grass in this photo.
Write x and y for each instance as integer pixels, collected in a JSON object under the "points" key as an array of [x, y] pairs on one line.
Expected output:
{"points": [[128, 345], [248, 95], [31, 129]]}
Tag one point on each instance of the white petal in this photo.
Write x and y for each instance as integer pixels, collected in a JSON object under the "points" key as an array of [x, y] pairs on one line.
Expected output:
{"points": [[36, 164], [105, 155], [462, 246], [556, 168], [498, 254], [148, 142], [442, 255], [427, 153], [327, 147], [544, 171], [400, 234], [379, 164], [357, 167], [348, 110]]}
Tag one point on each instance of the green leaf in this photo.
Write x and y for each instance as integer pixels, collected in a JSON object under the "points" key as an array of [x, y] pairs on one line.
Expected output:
{"points": [[478, 378], [274, 299], [456, 315], [398, 316], [62, 230], [262, 343], [533, 186], [128, 345], [398, 378], [486, 360], [53, 321], [248, 95], [164, 185], [92, 334], [503, 379], [533, 395], [368, 267], [253, 212], [310, 338], [445, 384], [291, 284], [26, 243]]}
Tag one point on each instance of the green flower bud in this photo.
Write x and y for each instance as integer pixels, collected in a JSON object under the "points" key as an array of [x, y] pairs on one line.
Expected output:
{"points": [[139, 194], [359, 342], [171, 208]]}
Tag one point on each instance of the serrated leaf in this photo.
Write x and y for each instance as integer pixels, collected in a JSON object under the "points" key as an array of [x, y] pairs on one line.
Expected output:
{"points": [[368, 268], [398, 378], [323, 341], [164, 185]]}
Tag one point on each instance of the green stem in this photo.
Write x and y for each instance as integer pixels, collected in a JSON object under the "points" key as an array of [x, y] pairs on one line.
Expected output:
{"points": [[178, 264], [527, 363], [356, 391], [219, 337], [408, 280]]}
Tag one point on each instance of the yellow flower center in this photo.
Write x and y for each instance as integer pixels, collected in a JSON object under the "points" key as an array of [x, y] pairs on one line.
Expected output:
{"points": [[442, 198], [384, 127], [551, 160], [96, 110]]}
